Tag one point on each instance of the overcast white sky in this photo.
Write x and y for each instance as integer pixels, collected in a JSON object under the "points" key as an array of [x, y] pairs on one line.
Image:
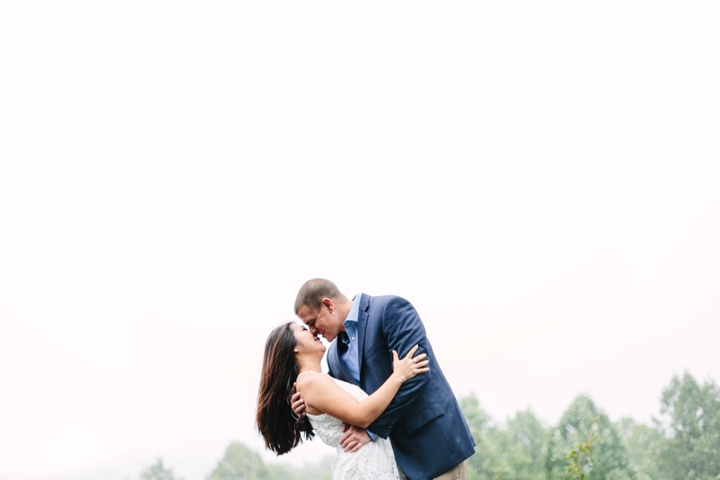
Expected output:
{"points": [[539, 180]]}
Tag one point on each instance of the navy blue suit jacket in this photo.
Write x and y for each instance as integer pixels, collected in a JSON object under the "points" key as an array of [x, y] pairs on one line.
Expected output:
{"points": [[426, 427]]}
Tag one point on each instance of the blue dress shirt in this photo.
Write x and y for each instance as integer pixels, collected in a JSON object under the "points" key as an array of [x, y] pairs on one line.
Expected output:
{"points": [[350, 357]]}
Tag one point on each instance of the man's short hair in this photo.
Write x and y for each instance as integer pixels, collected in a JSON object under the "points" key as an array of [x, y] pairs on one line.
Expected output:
{"points": [[313, 291]]}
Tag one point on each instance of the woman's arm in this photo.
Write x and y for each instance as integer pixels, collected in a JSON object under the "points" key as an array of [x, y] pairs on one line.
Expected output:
{"points": [[321, 393]]}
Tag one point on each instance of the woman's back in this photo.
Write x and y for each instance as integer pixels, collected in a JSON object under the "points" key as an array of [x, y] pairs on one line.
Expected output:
{"points": [[374, 461]]}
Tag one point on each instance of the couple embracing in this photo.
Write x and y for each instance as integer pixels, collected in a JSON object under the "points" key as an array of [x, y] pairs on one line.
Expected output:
{"points": [[379, 346]]}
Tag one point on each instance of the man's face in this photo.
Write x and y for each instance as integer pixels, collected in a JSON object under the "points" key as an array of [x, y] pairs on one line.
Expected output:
{"points": [[324, 321]]}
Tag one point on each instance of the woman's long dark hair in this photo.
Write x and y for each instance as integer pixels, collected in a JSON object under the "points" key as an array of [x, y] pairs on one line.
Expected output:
{"points": [[274, 414]]}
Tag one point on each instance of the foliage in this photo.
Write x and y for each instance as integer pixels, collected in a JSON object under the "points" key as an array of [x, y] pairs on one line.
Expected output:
{"points": [[240, 463], [691, 426], [316, 471], [585, 442], [512, 453], [157, 471], [643, 444], [478, 422], [527, 440], [684, 443], [580, 461]]}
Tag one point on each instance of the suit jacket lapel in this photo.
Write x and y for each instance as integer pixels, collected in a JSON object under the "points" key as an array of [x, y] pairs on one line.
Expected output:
{"points": [[362, 326], [336, 367]]}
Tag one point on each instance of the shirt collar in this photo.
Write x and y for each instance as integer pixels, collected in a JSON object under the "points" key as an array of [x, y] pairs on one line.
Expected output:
{"points": [[351, 321], [354, 313]]}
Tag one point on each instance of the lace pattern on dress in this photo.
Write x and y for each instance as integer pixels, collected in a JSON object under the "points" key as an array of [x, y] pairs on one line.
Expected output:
{"points": [[374, 461]]}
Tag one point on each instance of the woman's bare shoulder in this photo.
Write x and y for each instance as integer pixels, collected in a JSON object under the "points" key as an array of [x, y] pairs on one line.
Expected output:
{"points": [[313, 386], [312, 379]]}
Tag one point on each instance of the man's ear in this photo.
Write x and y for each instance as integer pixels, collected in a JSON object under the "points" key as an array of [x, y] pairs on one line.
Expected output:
{"points": [[327, 303]]}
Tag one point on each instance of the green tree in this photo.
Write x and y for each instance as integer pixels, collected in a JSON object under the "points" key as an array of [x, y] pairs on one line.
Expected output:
{"points": [[580, 458], [315, 471], [157, 471], [514, 452], [691, 424], [240, 463], [527, 445], [478, 421], [643, 444], [585, 438]]}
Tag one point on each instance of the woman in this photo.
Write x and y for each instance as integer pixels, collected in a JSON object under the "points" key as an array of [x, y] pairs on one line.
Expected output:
{"points": [[293, 355]]}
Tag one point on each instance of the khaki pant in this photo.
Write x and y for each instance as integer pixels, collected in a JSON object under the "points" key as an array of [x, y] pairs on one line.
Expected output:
{"points": [[456, 473]]}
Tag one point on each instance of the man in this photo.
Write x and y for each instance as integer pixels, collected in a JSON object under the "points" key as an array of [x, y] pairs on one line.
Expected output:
{"points": [[428, 432]]}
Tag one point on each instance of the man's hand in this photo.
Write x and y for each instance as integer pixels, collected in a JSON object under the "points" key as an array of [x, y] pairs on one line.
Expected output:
{"points": [[297, 404], [353, 438]]}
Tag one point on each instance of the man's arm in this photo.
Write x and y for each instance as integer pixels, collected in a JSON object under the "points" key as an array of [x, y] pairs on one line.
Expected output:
{"points": [[403, 329]]}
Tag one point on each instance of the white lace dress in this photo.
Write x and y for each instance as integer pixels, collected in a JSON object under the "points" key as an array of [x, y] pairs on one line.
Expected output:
{"points": [[374, 461]]}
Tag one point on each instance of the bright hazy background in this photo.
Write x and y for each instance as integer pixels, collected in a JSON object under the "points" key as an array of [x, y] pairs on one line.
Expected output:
{"points": [[539, 178]]}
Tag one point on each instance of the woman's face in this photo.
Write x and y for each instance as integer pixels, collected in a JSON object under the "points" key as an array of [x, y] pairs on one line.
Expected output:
{"points": [[306, 340]]}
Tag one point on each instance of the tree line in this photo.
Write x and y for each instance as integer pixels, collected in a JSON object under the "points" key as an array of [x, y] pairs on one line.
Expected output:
{"points": [[683, 443]]}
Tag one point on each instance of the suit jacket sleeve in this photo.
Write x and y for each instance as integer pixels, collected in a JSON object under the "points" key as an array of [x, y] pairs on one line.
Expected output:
{"points": [[403, 329]]}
